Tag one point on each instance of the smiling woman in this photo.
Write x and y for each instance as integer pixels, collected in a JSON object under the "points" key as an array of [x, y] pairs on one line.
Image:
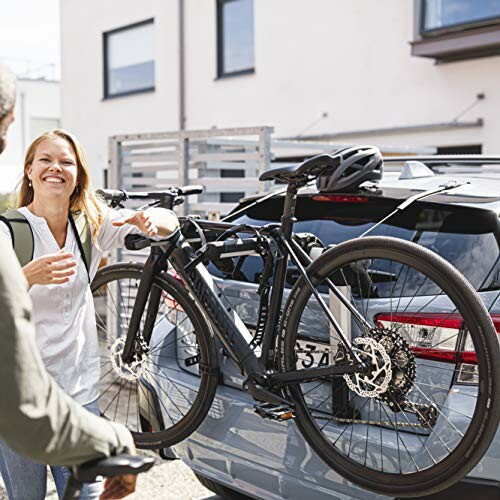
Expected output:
{"points": [[55, 194]]}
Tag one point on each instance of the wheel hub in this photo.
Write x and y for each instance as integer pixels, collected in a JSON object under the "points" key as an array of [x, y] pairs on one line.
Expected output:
{"points": [[133, 370]]}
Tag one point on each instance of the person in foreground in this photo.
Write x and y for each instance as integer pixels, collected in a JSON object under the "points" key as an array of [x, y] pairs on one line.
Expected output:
{"points": [[37, 418], [54, 192]]}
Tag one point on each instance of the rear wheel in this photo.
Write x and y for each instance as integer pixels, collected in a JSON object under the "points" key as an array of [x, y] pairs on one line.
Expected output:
{"points": [[164, 394], [426, 409]]}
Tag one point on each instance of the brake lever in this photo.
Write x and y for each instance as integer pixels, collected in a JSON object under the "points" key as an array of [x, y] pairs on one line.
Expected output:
{"points": [[179, 200]]}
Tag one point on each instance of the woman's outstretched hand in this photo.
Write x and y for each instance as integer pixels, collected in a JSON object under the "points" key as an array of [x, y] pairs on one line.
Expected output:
{"points": [[51, 269], [152, 222]]}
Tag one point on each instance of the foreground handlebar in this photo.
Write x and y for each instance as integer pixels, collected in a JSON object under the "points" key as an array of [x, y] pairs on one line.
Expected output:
{"points": [[107, 467], [111, 467]]}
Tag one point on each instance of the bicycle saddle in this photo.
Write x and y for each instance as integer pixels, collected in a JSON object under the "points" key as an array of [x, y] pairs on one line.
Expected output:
{"points": [[112, 466], [312, 167]]}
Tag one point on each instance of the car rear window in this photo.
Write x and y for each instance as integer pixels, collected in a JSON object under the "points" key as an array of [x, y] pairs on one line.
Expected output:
{"points": [[467, 237]]}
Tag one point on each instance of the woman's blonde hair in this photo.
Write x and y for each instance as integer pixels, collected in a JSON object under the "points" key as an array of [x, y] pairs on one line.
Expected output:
{"points": [[83, 198]]}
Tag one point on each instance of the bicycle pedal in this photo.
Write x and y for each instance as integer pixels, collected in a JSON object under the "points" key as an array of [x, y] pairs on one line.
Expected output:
{"points": [[274, 412]]}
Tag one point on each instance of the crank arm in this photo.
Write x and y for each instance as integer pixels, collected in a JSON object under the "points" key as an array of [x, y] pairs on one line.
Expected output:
{"points": [[260, 393]]}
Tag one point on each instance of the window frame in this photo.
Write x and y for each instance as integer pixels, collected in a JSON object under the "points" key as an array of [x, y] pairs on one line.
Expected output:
{"points": [[449, 28], [105, 38], [221, 73], [454, 43]]}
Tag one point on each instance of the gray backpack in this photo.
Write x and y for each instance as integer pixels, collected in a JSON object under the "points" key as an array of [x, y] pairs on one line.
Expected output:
{"points": [[23, 241]]}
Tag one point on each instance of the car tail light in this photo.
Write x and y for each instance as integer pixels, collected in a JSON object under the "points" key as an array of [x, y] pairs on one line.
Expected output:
{"points": [[435, 337], [340, 198]]}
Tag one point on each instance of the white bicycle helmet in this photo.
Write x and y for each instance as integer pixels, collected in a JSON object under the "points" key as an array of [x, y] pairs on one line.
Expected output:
{"points": [[357, 165]]}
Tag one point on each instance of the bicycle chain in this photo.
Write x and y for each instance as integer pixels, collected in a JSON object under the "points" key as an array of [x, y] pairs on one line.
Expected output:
{"points": [[374, 422], [415, 406]]}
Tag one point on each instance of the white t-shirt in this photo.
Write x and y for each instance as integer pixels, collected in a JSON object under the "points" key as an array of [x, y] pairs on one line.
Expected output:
{"points": [[64, 314]]}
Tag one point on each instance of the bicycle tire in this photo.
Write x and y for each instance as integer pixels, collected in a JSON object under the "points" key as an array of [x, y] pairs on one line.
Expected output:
{"points": [[153, 425], [483, 423]]}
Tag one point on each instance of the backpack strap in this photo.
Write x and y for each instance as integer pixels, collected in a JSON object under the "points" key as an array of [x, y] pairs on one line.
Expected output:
{"points": [[81, 228], [22, 235]]}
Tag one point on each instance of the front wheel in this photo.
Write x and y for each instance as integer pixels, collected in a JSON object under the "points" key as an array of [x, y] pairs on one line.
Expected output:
{"points": [[427, 406], [166, 391]]}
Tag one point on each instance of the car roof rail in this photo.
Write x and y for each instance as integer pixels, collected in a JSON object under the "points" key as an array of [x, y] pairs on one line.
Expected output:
{"points": [[447, 159]]}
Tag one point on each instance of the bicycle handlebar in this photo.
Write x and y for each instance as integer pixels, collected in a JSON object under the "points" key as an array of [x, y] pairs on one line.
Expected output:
{"points": [[120, 195], [111, 467]]}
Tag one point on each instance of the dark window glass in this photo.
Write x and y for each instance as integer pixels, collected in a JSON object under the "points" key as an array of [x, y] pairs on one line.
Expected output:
{"points": [[235, 36], [232, 172], [231, 197], [466, 237], [447, 13], [473, 149], [129, 59]]}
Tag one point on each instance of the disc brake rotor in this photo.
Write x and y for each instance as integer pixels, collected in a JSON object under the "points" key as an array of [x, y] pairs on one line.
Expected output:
{"points": [[129, 371], [375, 381]]}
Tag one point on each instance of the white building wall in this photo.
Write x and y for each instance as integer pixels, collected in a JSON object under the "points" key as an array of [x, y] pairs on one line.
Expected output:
{"points": [[349, 59], [37, 105], [85, 112]]}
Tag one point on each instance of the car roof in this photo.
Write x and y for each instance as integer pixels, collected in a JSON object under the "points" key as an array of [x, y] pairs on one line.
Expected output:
{"points": [[480, 189], [477, 190]]}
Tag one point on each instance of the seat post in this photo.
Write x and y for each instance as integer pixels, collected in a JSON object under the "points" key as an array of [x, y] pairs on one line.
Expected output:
{"points": [[288, 219]]}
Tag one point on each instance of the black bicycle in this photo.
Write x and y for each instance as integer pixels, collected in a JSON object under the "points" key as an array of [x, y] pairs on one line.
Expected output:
{"points": [[394, 333]]}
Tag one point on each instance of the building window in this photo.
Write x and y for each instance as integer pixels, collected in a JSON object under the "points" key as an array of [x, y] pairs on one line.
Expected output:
{"points": [[232, 172], [447, 14], [454, 30], [235, 45], [472, 149], [129, 65], [231, 197]]}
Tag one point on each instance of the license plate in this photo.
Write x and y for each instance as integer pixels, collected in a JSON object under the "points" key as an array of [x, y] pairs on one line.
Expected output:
{"points": [[311, 354]]}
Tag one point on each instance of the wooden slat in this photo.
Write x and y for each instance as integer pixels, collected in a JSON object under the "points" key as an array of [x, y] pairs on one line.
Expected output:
{"points": [[236, 182], [221, 156], [208, 206], [151, 168], [222, 165], [144, 185], [151, 145], [150, 158]]}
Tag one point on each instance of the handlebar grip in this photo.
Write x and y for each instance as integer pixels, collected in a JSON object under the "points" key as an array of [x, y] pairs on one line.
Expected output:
{"points": [[112, 466], [112, 194], [188, 190], [136, 242]]}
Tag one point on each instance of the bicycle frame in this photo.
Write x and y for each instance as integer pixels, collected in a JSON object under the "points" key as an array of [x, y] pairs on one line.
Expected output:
{"points": [[228, 326]]}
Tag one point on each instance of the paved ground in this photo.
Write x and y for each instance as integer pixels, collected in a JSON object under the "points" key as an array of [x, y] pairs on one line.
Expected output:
{"points": [[168, 480]]}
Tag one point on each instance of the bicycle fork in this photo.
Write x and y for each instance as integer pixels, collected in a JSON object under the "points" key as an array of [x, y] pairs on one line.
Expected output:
{"points": [[145, 291]]}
